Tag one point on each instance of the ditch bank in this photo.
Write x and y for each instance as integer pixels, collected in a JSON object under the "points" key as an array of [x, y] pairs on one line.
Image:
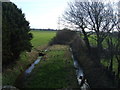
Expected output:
{"points": [[82, 82], [19, 81], [95, 74], [56, 68]]}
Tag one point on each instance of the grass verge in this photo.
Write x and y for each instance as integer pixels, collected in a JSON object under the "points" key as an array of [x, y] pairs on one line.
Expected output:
{"points": [[10, 74]]}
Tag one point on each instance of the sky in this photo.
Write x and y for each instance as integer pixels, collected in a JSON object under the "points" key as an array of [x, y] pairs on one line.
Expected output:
{"points": [[42, 13]]}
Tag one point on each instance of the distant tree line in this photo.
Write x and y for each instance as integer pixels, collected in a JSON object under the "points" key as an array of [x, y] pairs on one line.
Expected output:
{"points": [[44, 29], [15, 33]]}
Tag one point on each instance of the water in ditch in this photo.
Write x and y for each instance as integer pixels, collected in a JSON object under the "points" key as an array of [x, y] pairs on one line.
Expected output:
{"points": [[79, 74], [29, 70]]}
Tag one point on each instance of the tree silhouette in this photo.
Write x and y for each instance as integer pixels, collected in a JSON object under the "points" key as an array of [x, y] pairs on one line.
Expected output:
{"points": [[15, 32]]}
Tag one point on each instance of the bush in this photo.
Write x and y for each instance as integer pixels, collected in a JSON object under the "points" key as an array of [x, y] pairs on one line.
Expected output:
{"points": [[63, 37]]}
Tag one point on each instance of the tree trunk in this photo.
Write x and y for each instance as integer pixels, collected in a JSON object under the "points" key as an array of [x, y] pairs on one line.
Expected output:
{"points": [[111, 64], [99, 45], [118, 74], [86, 40], [118, 60], [99, 49], [118, 70]]}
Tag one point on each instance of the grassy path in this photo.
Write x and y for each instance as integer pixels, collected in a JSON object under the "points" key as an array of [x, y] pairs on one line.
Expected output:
{"points": [[55, 70]]}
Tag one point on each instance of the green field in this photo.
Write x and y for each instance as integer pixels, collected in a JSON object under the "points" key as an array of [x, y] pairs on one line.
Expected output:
{"points": [[41, 37], [93, 42]]}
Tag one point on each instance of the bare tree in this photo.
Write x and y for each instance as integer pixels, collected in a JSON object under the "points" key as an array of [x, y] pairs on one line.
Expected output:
{"points": [[94, 16], [75, 16]]}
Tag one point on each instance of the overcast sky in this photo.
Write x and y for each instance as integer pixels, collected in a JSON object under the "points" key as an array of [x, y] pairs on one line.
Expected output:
{"points": [[42, 13]]}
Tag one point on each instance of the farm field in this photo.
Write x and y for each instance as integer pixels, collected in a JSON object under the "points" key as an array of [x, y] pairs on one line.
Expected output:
{"points": [[41, 37]]}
